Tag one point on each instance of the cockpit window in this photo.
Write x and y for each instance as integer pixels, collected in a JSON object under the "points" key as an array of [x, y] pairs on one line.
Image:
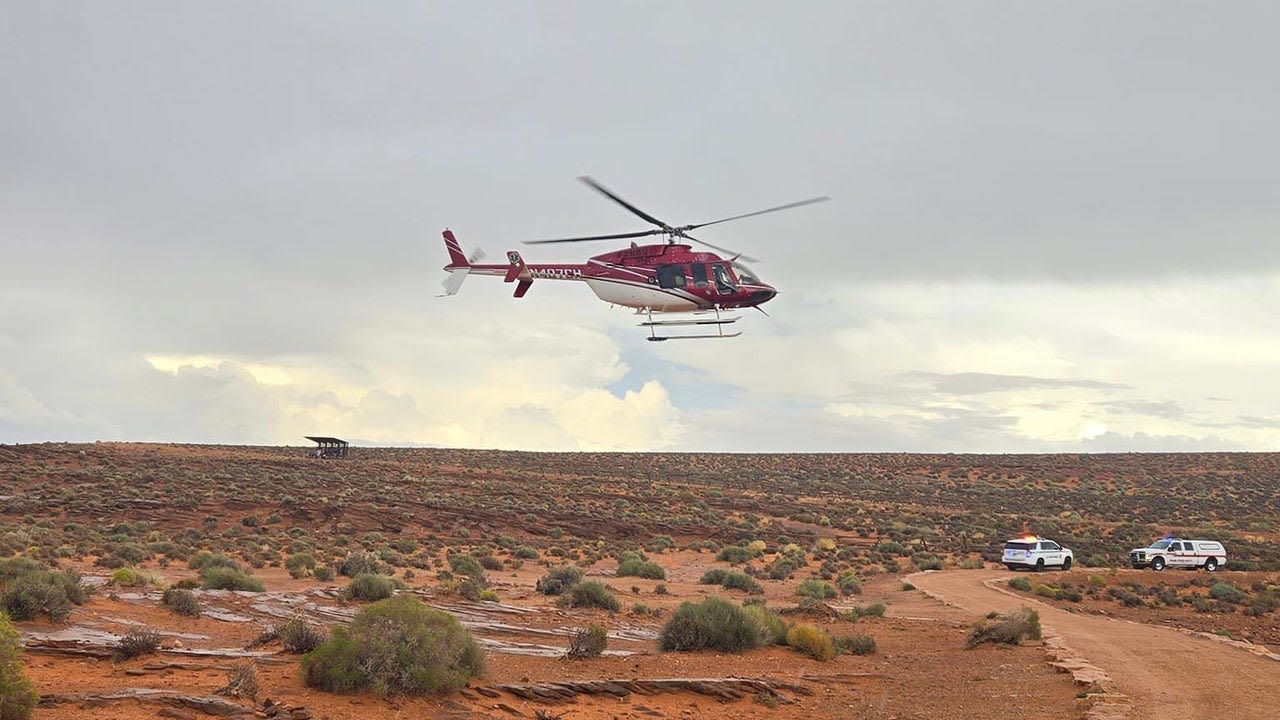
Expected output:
{"points": [[724, 281], [746, 274]]}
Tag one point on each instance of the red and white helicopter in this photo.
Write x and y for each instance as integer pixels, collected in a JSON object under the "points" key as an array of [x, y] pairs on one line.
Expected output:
{"points": [[662, 278]]}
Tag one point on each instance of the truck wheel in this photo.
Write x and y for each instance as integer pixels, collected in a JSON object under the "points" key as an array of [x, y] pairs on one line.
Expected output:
{"points": [[1157, 564], [1211, 564], [1012, 566], [1040, 565], [1066, 564]]}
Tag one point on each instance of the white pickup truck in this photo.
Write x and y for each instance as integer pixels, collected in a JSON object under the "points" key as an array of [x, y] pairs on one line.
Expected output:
{"points": [[1177, 552]]}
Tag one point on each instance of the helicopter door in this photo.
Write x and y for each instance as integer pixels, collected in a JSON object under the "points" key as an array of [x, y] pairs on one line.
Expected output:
{"points": [[699, 273], [671, 276]]}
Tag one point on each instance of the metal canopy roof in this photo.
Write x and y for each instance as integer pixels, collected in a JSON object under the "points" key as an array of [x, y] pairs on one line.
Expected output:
{"points": [[326, 440]]}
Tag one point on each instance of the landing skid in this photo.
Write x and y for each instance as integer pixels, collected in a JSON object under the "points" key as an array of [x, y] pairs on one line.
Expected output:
{"points": [[718, 321]]}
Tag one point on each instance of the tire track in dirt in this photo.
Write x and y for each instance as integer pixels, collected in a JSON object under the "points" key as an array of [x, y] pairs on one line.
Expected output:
{"points": [[1166, 673]]}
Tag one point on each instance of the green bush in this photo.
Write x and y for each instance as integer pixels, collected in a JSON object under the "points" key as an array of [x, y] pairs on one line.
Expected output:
{"points": [[927, 562], [856, 612], [29, 590], [524, 552], [856, 645], [1047, 591], [17, 695], [1009, 629], [1227, 593], [395, 647], [300, 565], [370, 587], [1020, 583], [363, 563], [593, 594], [850, 584], [735, 554], [181, 601], [811, 640], [731, 580], [816, 589], [559, 579], [205, 559], [641, 568], [773, 631], [588, 642], [220, 577], [714, 624]]}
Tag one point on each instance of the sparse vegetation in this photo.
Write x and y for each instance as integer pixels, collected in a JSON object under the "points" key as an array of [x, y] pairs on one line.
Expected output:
{"points": [[395, 647], [1011, 629], [588, 642], [17, 695], [559, 580], [370, 587], [593, 594], [137, 642], [182, 601], [714, 624], [811, 640]]}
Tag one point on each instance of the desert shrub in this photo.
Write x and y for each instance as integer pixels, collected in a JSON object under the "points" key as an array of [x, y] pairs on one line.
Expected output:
{"points": [[524, 552], [773, 631], [641, 568], [1226, 592], [927, 562], [1020, 583], [187, 584], [17, 695], [714, 623], [205, 559], [1009, 629], [908, 587], [466, 565], [735, 554], [300, 565], [816, 589], [137, 642], [29, 590], [559, 579], [857, 612], [220, 577], [1097, 581], [811, 640], [593, 594], [181, 601], [129, 577], [731, 580], [849, 584], [298, 636], [588, 642], [242, 681], [370, 587], [363, 563], [395, 647], [858, 644], [1047, 591], [324, 573]]}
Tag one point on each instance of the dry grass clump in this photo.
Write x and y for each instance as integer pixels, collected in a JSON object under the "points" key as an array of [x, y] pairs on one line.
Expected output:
{"points": [[1010, 629]]}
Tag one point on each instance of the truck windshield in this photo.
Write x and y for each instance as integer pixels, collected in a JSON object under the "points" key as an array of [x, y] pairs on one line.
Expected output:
{"points": [[1159, 545], [1019, 546]]}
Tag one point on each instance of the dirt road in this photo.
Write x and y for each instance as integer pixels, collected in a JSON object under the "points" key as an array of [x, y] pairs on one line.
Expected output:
{"points": [[1167, 674]]}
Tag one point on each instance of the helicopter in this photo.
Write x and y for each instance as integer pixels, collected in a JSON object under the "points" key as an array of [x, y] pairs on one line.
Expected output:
{"points": [[663, 278]]}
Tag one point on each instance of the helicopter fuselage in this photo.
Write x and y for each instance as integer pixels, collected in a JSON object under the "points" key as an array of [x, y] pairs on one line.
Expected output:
{"points": [[658, 278]]}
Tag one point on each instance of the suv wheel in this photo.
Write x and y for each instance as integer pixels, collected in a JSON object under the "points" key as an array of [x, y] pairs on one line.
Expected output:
{"points": [[1211, 564], [1157, 564], [1040, 565], [1066, 564]]}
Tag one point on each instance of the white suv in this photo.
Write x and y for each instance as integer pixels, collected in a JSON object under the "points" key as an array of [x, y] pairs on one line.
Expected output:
{"points": [[1035, 553], [1176, 552]]}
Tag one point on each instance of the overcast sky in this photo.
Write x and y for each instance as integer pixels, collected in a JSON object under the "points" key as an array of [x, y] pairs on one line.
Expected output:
{"points": [[1053, 226]]}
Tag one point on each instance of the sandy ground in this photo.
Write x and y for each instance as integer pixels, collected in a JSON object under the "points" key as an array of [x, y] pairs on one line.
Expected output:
{"points": [[1166, 673]]}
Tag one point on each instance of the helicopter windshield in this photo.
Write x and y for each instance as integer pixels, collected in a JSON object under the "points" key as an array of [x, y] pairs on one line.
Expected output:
{"points": [[745, 274]]}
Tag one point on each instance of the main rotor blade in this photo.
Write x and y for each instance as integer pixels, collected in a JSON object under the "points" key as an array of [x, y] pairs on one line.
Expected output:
{"points": [[619, 236], [726, 251], [788, 206], [609, 194]]}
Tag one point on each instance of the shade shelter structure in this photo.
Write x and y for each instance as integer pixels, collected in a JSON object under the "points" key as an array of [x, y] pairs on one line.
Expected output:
{"points": [[328, 447]]}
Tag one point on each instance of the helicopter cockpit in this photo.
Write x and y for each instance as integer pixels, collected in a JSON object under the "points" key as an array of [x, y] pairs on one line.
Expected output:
{"points": [[746, 275]]}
